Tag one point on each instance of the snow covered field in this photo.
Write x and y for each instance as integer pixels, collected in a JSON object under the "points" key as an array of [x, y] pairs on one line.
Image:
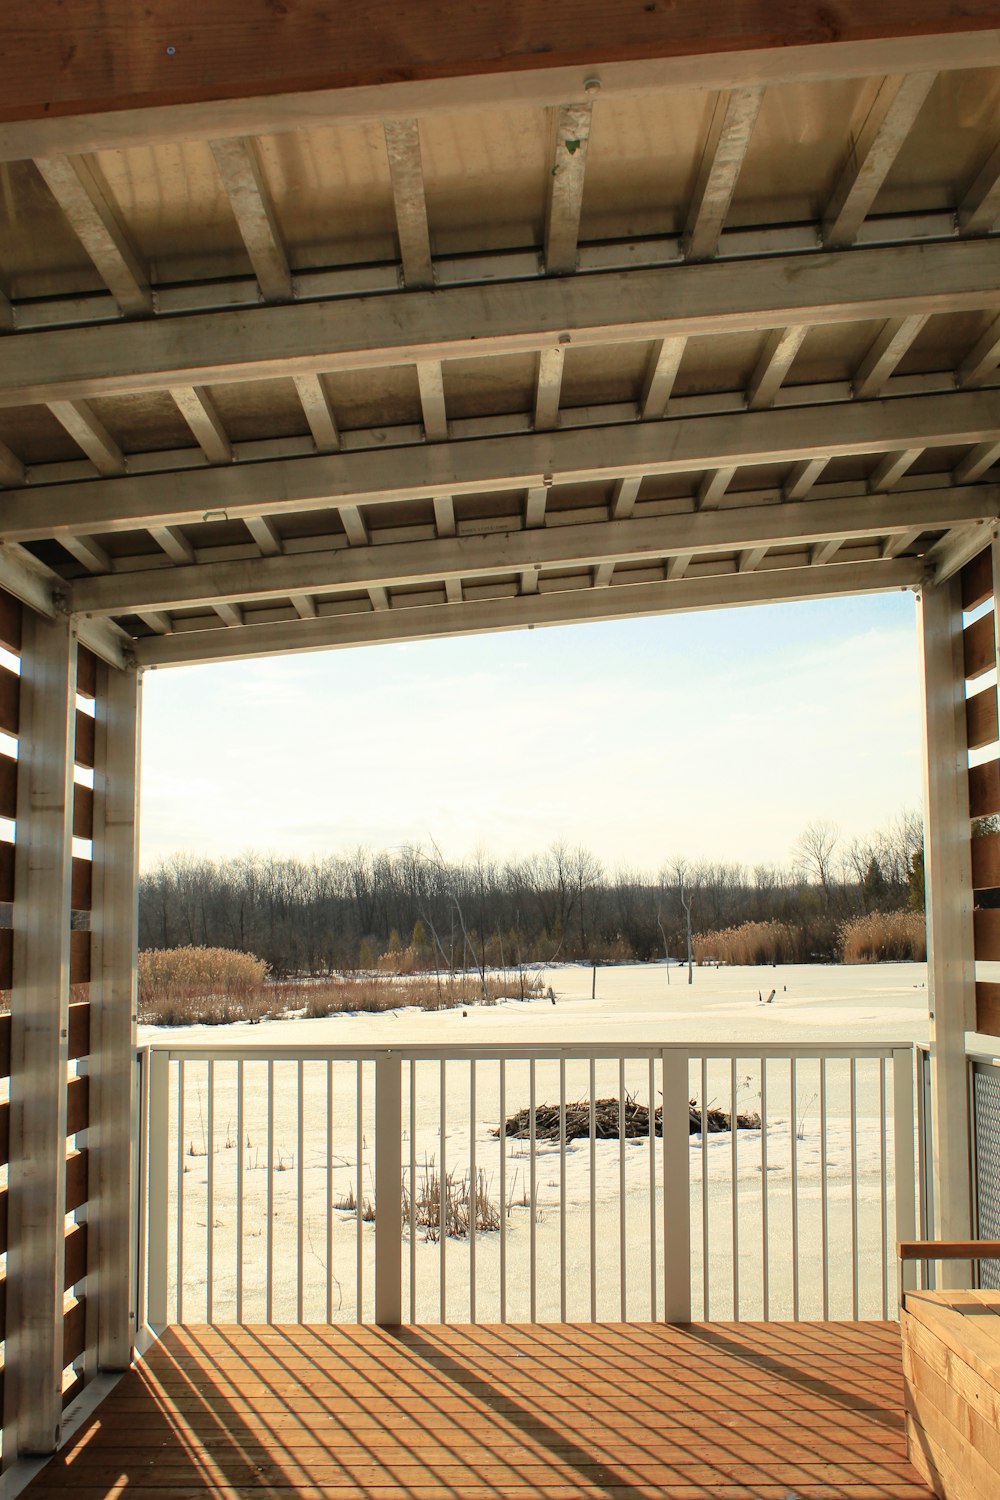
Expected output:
{"points": [[315, 1161]]}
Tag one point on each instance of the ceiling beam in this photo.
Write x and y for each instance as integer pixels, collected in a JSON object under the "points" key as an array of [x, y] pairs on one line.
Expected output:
{"points": [[444, 515], [430, 379], [979, 210], [976, 462], [548, 388], [238, 162], [174, 543], [564, 203], [663, 306], [566, 606], [982, 358], [522, 461], [661, 373], [888, 349], [588, 544], [803, 477], [892, 468], [267, 539], [80, 191], [872, 152], [90, 434], [774, 364], [402, 144], [733, 120], [12, 470], [198, 409], [318, 408], [88, 551]]}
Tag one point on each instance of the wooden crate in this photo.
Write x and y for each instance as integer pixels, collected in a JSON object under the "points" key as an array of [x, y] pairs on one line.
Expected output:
{"points": [[951, 1367]]}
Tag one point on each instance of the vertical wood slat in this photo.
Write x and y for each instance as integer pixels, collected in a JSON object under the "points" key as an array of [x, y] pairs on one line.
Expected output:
{"points": [[113, 1008], [988, 1009], [11, 615], [977, 580], [981, 718], [947, 659], [39, 1035]]}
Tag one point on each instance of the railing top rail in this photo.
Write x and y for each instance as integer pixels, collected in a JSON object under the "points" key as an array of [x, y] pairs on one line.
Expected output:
{"points": [[263, 1051], [991, 1058]]}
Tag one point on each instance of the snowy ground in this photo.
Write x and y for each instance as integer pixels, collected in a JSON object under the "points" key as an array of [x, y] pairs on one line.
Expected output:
{"points": [[863, 1005]]}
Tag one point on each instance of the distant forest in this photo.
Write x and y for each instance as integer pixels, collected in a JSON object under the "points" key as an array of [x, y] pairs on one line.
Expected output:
{"points": [[412, 909]]}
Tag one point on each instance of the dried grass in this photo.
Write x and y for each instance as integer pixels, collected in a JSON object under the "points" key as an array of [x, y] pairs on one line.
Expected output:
{"points": [[752, 944], [461, 1206], [378, 992], [884, 937], [209, 986]]}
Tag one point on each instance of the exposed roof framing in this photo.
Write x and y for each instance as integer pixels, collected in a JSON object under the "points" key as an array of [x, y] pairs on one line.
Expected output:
{"points": [[510, 338]]}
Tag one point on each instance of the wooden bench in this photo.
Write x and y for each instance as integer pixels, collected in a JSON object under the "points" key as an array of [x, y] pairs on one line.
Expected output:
{"points": [[951, 1372]]}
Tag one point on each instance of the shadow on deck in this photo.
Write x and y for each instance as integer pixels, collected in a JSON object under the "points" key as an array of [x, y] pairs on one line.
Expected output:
{"points": [[712, 1411]]}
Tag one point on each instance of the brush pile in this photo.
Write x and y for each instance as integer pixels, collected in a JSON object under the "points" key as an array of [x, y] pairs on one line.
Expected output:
{"points": [[606, 1122]]}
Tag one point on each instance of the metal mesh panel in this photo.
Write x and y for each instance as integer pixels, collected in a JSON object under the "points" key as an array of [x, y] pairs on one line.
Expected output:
{"points": [[986, 1096]]}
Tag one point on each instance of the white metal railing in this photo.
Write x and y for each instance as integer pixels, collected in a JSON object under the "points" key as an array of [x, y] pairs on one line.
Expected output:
{"points": [[263, 1166]]}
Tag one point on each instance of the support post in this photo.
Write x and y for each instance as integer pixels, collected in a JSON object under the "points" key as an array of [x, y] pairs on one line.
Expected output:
{"points": [[158, 1170], [39, 1043], [949, 901], [676, 1127], [388, 1177], [113, 1225]]}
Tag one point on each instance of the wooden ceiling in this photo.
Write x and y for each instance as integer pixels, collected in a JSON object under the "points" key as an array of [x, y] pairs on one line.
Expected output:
{"points": [[521, 337]]}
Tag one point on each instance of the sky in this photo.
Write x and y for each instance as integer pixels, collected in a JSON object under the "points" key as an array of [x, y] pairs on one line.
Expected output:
{"points": [[717, 735]]}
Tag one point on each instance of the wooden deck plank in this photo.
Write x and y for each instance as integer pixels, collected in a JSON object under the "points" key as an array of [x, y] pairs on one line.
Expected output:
{"points": [[731, 1411]]}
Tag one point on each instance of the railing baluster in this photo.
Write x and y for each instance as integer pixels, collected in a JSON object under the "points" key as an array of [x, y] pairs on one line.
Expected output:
{"points": [[503, 1190], [269, 1242], [904, 1182], [593, 1190], [705, 1278], [179, 1297], [735, 1168], [240, 1096], [359, 1145], [824, 1191], [765, 1239], [883, 1185], [300, 1196], [443, 1197], [562, 1189], [652, 1184], [329, 1190], [473, 1192], [413, 1190], [532, 1286], [210, 1196], [793, 1147], [622, 1242]]}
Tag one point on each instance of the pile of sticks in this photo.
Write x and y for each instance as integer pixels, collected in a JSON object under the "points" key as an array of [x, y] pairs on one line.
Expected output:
{"points": [[606, 1121]]}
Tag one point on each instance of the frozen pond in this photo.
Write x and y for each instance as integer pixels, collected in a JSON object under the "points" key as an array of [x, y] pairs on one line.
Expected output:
{"points": [[299, 1167]]}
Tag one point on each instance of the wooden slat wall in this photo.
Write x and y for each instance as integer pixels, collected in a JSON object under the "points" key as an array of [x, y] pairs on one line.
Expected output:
{"points": [[981, 717], [77, 1333]]}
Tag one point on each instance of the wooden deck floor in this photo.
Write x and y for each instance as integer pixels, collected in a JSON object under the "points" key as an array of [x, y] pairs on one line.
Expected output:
{"points": [[705, 1412]]}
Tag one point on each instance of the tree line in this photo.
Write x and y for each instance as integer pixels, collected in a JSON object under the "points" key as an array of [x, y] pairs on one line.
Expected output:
{"points": [[411, 908]]}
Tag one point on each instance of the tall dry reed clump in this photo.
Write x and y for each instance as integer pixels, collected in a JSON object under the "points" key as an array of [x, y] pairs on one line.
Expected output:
{"points": [[187, 986], [884, 937], [752, 943], [378, 992]]}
